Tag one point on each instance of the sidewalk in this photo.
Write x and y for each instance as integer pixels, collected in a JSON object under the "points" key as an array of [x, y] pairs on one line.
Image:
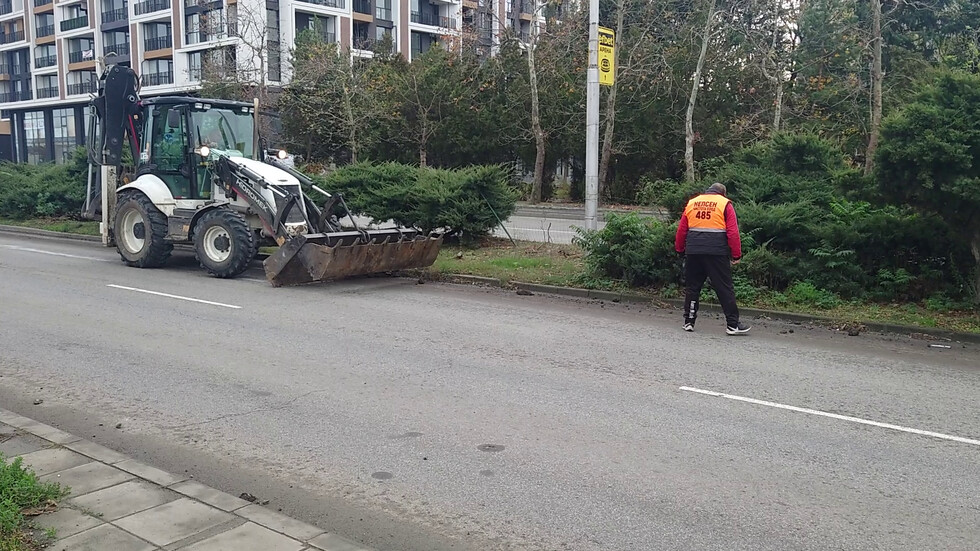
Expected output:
{"points": [[119, 504]]}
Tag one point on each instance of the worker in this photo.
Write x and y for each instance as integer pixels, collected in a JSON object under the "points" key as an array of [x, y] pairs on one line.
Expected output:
{"points": [[709, 238]]}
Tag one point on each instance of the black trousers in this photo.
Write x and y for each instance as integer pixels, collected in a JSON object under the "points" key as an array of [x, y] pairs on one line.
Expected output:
{"points": [[718, 269]]}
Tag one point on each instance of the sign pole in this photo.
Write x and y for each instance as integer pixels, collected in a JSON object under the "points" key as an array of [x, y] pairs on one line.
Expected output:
{"points": [[592, 121]]}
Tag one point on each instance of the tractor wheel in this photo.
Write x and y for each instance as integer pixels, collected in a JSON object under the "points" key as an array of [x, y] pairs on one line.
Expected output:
{"points": [[223, 243], [140, 232]]}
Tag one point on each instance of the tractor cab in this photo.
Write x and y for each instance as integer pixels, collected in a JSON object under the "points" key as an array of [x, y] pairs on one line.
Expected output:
{"points": [[175, 127]]}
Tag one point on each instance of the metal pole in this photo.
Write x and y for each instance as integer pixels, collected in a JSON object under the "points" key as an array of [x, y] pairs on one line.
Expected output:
{"points": [[592, 121]]}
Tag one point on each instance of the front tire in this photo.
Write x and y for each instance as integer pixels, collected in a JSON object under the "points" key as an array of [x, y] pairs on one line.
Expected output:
{"points": [[140, 232], [223, 243]]}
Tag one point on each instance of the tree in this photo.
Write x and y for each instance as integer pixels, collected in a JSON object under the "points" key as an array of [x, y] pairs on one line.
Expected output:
{"points": [[693, 98], [336, 101], [929, 155], [245, 64]]}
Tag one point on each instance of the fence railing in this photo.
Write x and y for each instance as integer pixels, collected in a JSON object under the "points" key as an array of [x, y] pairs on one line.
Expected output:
{"points": [[158, 43], [47, 92], [157, 79], [328, 3], [80, 88], [117, 14], [46, 30], [74, 23], [9, 38], [45, 61], [150, 6]]}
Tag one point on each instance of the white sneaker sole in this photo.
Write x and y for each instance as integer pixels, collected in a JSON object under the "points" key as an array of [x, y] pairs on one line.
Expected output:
{"points": [[737, 331]]}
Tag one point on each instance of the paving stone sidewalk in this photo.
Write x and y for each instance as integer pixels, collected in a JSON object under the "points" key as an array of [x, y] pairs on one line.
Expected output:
{"points": [[119, 504]]}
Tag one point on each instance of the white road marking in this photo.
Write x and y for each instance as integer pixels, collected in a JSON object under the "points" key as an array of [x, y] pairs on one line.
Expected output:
{"points": [[52, 253], [835, 416], [178, 297]]}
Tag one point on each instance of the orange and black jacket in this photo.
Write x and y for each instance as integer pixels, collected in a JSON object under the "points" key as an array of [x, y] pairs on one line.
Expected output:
{"points": [[709, 226]]}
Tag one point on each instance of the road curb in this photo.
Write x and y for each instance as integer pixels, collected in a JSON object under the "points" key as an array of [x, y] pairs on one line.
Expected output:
{"points": [[37, 232], [99, 469], [623, 297]]}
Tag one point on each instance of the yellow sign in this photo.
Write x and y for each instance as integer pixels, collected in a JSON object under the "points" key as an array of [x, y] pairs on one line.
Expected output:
{"points": [[607, 56]]}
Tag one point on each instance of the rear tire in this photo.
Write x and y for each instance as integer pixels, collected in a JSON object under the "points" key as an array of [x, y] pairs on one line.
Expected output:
{"points": [[140, 232], [223, 243]]}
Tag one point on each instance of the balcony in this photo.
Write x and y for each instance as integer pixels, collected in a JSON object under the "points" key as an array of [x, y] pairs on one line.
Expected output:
{"points": [[196, 37], [121, 49], [80, 88], [424, 18], [39, 3], [527, 7], [383, 12], [212, 4], [46, 30], [6, 7], [157, 79], [362, 6], [81, 55], [158, 43], [74, 23], [10, 38], [150, 6], [8, 97], [48, 92], [117, 14], [340, 4], [45, 61]]}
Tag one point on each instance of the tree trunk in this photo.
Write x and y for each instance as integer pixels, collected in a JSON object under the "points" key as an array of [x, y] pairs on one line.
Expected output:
{"points": [[689, 119], [778, 109], [607, 138], [975, 247], [539, 142], [422, 155], [351, 124], [876, 79]]}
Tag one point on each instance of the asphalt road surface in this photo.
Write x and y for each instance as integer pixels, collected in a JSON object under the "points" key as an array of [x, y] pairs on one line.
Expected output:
{"points": [[429, 417]]}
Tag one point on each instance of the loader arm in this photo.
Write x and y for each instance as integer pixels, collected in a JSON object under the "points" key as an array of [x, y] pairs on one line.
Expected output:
{"points": [[116, 108], [239, 180]]}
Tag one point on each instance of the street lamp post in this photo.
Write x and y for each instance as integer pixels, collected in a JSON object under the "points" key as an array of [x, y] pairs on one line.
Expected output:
{"points": [[592, 122]]}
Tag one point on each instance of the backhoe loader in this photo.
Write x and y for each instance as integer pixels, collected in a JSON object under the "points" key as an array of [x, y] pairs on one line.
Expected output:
{"points": [[202, 176]]}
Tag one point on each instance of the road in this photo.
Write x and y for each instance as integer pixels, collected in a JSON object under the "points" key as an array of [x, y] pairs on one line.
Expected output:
{"points": [[429, 417]]}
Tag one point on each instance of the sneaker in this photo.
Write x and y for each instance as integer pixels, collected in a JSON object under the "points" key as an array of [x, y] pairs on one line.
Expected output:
{"points": [[689, 327], [737, 330]]}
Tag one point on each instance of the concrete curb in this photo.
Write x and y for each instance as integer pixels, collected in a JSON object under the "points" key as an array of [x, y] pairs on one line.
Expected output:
{"points": [[119, 503], [36, 232], [613, 296]]}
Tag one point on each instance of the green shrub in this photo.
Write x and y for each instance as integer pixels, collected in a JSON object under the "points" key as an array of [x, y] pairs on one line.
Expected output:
{"points": [[20, 489], [462, 202], [32, 191], [806, 294], [639, 251]]}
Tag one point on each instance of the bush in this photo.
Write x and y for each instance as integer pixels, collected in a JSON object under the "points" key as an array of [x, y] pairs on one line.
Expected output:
{"points": [[638, 250], [461, 202], [32, 191], [807, 216]]}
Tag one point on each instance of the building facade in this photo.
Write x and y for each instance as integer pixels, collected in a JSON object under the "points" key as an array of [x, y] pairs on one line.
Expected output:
{"points": [[49, 49]]}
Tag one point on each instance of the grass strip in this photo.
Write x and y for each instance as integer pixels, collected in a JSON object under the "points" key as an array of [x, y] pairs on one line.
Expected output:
{"points": [[22, 495]]}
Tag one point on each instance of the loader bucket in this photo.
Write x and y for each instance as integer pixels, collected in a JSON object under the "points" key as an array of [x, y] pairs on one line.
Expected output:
{"points": [[328, 256]]}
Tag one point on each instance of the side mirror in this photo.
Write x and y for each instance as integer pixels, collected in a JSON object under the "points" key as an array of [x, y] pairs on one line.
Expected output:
{"points": [[173, 118]]}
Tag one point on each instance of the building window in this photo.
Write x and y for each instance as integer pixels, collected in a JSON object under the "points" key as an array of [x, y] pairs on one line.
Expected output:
{"points": [[35, 138], [64, 134], [194, 67]]}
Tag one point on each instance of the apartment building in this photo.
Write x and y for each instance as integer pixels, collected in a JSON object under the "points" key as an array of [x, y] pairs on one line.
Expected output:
{"points": [[49, 49]]}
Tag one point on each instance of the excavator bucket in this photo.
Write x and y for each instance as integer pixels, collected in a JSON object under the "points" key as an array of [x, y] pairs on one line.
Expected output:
{"points": [[327, 256]]}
